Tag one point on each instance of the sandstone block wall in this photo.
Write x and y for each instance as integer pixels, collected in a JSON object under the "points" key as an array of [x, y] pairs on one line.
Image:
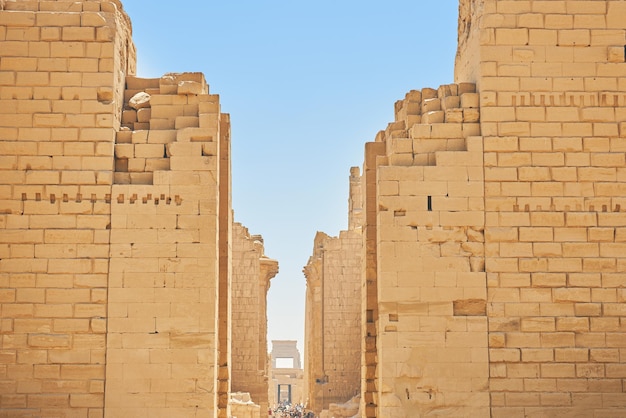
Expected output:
{"points": [[428, 350], [333, 311], [551, 82], [252, 272], [493, 275], [62, 69], [164, 285], [114, 224]]}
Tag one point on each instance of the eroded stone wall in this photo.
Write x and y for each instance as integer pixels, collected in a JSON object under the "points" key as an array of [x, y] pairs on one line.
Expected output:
{"points": [[252, 272], [426, 189], [164, 289], [333, 310]]}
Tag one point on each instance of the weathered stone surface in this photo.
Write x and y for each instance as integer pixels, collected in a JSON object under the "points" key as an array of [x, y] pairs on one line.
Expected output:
{"points": [[139, 101]]}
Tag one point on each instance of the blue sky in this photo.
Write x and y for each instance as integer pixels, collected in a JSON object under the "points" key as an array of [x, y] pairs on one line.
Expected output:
{"points": [[307, 84]]}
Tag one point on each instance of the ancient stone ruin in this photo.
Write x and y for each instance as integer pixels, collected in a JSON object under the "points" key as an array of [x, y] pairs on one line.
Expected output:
{"points": [[483, 272]]}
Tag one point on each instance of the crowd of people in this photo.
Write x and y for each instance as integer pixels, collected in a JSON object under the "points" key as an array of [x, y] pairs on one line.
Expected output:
{"points": [[287, 410]]}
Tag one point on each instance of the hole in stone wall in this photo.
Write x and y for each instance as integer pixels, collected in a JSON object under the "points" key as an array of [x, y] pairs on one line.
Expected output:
{"points": [[430, 203]]}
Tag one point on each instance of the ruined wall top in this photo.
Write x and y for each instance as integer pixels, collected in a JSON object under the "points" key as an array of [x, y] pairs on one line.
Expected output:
{"points": [[466, 67], [107, 6]]}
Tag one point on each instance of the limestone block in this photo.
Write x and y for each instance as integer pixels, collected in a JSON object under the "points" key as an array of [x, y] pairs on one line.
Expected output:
{"points": [[446, 130], [471, 115], [138, 83], [413, 119], [436, 116], [428, 93], [405, 159], [202, 163], [161, 136], [454, 115], [466, 88], [450, 102], [139, 137], [129, 116], [161, 124], [429, 105], [209, 106], [187, 122], [139, 101], [144, 115], [149, 150], [167, 111], [141, 178], [191, 87], [184, 149], [470, 100], [84, 34], [136, 164], [616, 54], [447, 90], [194, 134], [209, 121], [168, 85], [141, 126], [93, 19], [161, 99]]}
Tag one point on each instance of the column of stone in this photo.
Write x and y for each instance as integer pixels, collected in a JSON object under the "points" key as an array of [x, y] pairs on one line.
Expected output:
{"points": [[59, 74]]}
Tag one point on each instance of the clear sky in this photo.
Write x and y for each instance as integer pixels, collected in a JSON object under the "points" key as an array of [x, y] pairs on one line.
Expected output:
{"points": [[307, 84]]}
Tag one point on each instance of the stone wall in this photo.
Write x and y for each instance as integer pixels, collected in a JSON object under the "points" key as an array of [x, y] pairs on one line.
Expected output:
{"points": [[252, 272], [333, 311], [493, 223], [427, 258], [164, 266], [62, 80], [553, 103], [114, 192]]}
